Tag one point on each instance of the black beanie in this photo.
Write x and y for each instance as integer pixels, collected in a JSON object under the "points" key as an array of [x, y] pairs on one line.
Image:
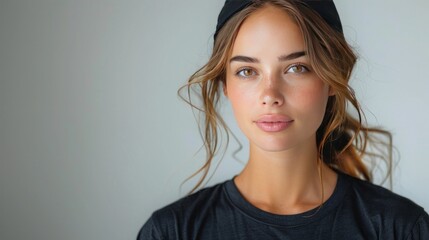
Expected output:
{"points": [[325, 8]]}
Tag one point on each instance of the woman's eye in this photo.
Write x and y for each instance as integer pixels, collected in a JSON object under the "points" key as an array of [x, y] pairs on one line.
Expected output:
{"points": [[297, 69], [247, 72]]}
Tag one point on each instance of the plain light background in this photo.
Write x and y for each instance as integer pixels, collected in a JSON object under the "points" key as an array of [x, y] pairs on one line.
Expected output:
{"points": [[93, 137]]}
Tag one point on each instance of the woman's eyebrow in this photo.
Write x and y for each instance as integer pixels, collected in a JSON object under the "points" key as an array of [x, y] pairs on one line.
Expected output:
{"points": [[292, 56], [240, 58], [288, 57]]}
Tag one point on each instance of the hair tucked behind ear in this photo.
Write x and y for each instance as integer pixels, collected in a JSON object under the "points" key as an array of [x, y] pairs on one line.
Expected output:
{"points": [[342, 139]]}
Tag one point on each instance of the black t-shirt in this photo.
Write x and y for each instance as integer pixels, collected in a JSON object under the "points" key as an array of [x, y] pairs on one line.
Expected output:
{"points": [[356, 210]]}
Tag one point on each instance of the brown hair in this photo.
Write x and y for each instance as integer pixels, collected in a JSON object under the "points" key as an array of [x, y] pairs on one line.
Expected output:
{"points": [[342, 139]]}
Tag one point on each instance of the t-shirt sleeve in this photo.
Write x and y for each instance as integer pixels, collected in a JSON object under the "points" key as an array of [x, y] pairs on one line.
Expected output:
{"points": [[421, 228], [149, 231]]}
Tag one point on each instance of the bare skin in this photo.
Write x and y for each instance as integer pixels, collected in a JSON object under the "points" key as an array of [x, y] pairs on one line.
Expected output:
{"points": [[270, 77]]}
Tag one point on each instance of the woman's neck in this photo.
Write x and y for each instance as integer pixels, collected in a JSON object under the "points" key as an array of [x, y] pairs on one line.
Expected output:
{"points": [[285, 182]]}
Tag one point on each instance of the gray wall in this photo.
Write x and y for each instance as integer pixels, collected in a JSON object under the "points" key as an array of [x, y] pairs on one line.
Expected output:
{"points": [[93, 137]]}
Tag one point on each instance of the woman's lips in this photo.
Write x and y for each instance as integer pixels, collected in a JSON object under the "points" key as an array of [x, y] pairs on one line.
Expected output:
{"points": [[273, 123]]}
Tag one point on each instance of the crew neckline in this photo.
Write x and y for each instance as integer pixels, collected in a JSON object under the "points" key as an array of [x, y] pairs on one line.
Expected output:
{"points": [[294, 220]]}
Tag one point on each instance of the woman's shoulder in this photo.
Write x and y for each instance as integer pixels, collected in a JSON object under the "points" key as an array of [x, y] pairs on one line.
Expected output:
{"points": [[384, 207], [200, 199], [379, 211], [163, 221], [377, 197]]}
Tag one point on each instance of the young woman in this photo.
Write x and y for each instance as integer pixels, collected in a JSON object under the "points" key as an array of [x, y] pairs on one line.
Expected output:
{"points": [[284, 65]]}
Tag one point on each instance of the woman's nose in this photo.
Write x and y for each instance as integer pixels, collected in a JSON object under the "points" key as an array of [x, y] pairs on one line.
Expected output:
{"points": [[271, 94]]}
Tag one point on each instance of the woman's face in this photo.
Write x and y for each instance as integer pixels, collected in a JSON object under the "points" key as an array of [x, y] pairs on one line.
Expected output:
{"points": [[277, 99]]}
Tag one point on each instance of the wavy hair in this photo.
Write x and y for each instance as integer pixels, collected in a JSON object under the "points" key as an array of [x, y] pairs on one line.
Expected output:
{"points": [[343, 140]]}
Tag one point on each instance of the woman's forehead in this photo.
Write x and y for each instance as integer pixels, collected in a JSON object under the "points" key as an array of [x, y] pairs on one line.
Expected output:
{"points": [[269, 29]]}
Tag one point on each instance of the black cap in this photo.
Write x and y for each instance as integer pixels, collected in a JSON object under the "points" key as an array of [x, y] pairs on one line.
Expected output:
{"points": [[325, 8]]}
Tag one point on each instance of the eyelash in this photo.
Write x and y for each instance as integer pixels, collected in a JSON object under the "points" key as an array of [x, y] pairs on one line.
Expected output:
{"points": [[240, 71], [306, 69]]}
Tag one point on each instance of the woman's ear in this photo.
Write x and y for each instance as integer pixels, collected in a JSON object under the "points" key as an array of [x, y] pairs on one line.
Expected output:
{"points": [[225, 91]]}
